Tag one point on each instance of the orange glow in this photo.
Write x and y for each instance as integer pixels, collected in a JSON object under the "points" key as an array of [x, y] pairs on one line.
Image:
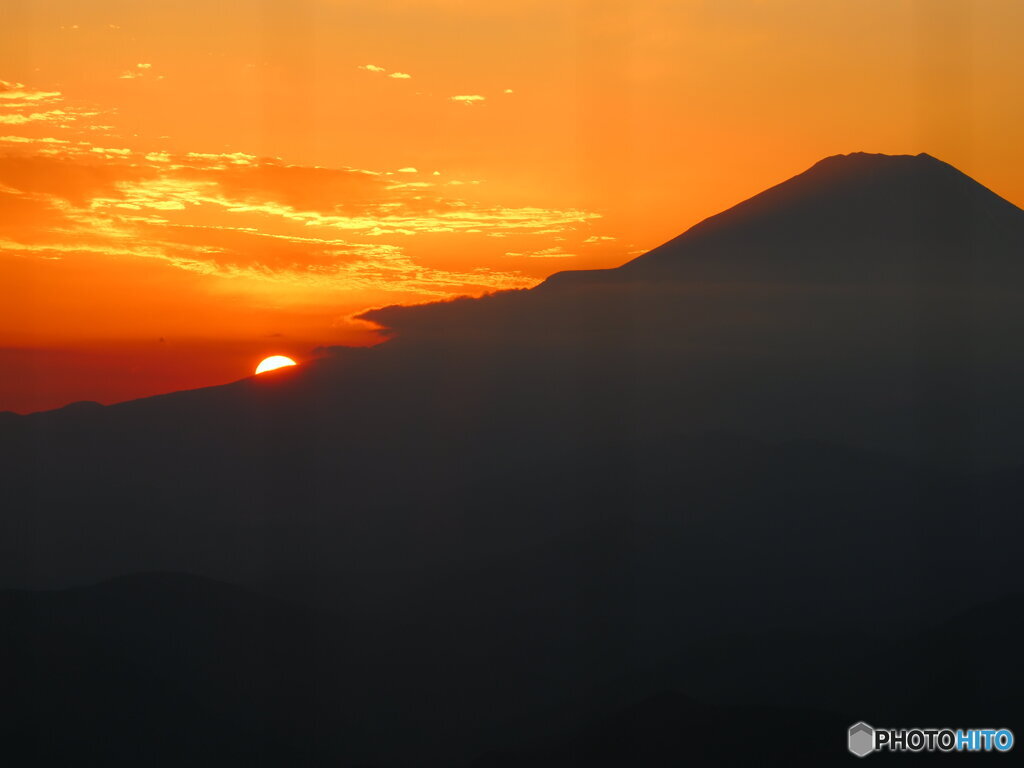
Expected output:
{"points": [[274, 362], [183, 184]]}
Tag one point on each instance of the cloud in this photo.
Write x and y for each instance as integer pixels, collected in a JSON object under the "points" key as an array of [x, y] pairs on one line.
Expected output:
{"points": [[410, 185], [218, 160], [53, 116], [547, 253], [336, 265], [23, 105], [16, 94], [508, 90], [70, 181], [469, 98], [31, 140], [234, 217], [383, 70], [246, 223], [142, 69]]}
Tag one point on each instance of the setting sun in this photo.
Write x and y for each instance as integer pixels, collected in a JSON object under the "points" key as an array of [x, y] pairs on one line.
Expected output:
{"points": [[273, 363]]}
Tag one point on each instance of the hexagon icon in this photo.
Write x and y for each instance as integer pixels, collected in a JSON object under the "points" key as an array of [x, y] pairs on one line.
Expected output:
{"points": [[861, 739]]}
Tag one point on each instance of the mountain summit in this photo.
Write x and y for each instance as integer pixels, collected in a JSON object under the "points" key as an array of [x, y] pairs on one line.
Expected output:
{"points": [[857, 218]]}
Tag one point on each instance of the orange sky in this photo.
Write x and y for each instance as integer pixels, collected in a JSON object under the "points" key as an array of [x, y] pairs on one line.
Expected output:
{"points": [[187, 187]]}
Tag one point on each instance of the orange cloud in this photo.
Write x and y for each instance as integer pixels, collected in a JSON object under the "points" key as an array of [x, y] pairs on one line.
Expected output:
{"points": [[546, 253], [233, 217], [25, 106], [383, 70], [16, 94]]}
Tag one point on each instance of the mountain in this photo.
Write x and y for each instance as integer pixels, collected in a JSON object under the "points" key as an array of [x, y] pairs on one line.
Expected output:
{"points": [[527, 512], [867, 301], [849, 219]]}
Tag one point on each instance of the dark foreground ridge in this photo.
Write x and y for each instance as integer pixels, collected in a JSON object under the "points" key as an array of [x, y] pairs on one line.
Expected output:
{"points": [[169, 669], [732, 482]]}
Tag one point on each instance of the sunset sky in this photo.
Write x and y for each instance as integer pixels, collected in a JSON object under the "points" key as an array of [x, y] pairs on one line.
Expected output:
{"points": [[187, 187]]}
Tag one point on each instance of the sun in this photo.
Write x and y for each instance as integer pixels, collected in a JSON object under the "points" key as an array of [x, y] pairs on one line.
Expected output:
{"points": [[274, 362]]}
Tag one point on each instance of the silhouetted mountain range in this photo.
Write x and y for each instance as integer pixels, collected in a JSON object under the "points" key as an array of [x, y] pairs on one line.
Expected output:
{"points": [[787, 440]]}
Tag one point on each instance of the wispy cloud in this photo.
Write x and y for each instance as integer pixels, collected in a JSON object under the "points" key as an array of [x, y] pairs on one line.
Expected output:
{"points": [[142, 69], [23, 105], [16, 94], [546, 253], [383, 70], [218, 160], [32, 140], [108, 152], [254, 222], [230, 216], [52, 116], [473, 98]]}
